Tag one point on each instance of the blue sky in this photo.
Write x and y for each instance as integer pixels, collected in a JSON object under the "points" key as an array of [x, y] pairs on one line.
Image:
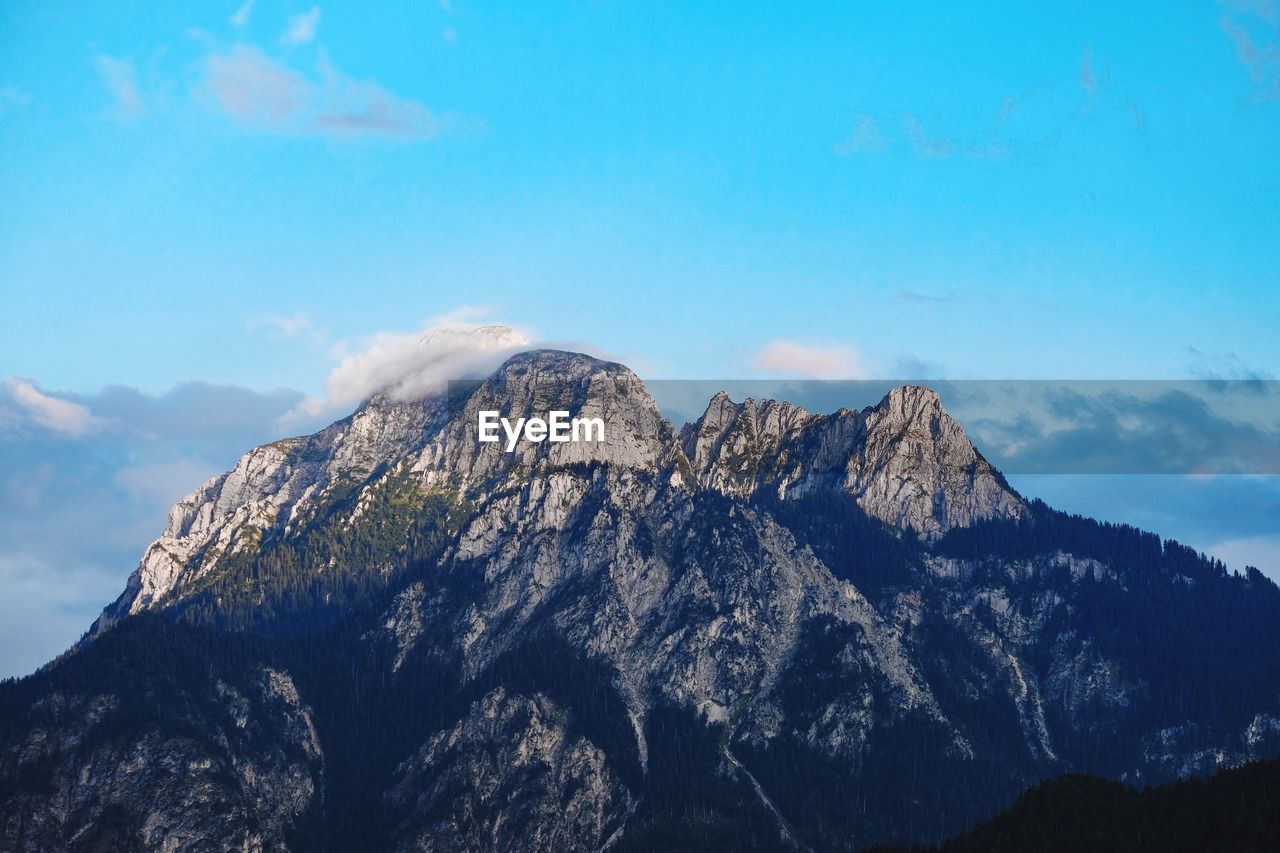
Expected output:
{"points": [[1011, 192], [243, 195]]}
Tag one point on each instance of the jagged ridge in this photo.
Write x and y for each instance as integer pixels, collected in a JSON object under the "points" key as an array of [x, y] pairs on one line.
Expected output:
{"points": [[905, 460]]}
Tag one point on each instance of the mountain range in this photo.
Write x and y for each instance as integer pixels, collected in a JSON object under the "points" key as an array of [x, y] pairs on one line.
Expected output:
{"points": [[767, 629]]}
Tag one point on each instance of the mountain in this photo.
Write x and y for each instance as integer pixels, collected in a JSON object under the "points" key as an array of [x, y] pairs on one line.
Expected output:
{"points": [[770, 629]]}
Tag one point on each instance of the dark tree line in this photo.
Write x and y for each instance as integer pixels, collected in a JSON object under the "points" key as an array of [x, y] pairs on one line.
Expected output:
{"points": [[1235, 811]]}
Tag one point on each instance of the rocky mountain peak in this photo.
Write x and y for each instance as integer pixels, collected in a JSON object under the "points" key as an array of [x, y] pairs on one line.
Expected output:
{"points": [[729, 443], [916, 467], [538, 382], [905, 460], [916, 403], [546, 375]]}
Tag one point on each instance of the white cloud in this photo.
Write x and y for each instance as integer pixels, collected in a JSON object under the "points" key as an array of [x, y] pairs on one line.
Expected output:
{"points": [[56, 414], [302, 27], [242, 15], [1268, 10], [450, 35], [113, 488], [411, 366], [1261, 552], [122, 81], [351, 106], [288, 327], [295, 326], [925, 145], [254, 88], [791, 359], [264, 93], [1262, 60]]}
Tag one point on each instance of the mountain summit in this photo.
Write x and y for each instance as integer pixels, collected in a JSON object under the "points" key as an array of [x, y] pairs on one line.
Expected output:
{"points": [[906, 461], [769, 629]]}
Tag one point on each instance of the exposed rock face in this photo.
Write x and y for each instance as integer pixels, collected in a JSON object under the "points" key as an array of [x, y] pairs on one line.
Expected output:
{"points": [[273, 488], [510, 776], [244, 770], [643, 642], [270, 490], [906, 461]]}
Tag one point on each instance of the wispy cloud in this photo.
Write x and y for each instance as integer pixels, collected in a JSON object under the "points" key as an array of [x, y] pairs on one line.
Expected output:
{"points": [[925, 145], [869, 137], [1136, 115], [287, 327], [1223, 366], [1007, 108], [912, 367], [908, 295], [263, 93], [121, 78], [1267, 10], [1094, 80], [1022, 127], [356, 106], [253, 88], [302, 27], [267, 91], [941, 147], [1261, 60], [791, 359], [1087, 81], [866, 138], [295, 326], [54, 413], [242, 15]]}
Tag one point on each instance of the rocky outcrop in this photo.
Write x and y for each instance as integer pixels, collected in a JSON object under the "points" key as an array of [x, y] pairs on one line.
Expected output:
{"points": [[906, 461], [244, 769], [510, 775]]}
